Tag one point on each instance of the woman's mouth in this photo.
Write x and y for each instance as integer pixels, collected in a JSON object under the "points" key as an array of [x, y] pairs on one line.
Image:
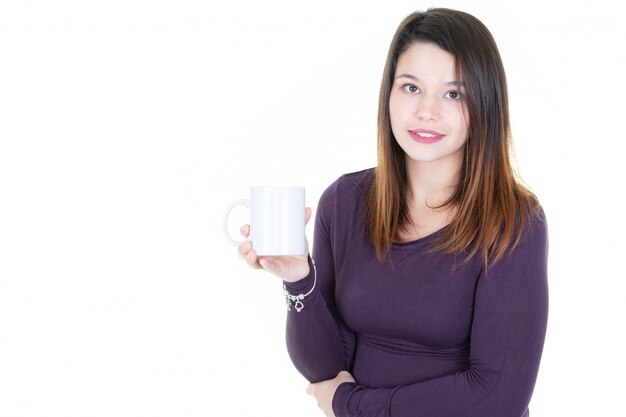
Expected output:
{"points": [[425, 136]]}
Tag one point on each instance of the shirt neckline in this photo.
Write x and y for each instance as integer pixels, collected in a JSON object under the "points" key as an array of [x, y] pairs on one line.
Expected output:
{"points": [[422, 239]]}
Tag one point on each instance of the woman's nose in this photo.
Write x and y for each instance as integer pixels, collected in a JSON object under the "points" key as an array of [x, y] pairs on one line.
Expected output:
{"points": [[427, 108]]}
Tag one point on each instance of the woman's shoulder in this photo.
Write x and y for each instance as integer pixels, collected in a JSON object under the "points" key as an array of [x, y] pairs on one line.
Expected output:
{"points": [[532, 237], [536, 222], [361, 178], [344, 202], [351, 186]]}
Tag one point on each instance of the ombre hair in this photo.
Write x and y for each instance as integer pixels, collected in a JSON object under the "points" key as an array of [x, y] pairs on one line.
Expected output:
{"points": [[492, 205]]}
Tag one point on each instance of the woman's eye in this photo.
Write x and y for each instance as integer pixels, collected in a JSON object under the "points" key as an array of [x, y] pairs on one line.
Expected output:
{"points": [[410, 88], [454, 95]]}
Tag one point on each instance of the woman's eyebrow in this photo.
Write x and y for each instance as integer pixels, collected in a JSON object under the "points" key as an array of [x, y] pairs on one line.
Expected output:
{"points": [[413, 77]]}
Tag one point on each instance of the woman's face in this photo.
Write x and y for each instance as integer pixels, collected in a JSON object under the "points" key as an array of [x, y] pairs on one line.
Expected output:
{"points": [[427, 105]]}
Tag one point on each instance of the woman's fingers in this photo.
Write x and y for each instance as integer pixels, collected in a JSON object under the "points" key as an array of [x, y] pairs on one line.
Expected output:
{"points": [[246, 252], [244, 248], [307, 215], [288, 268], [253, 259]]}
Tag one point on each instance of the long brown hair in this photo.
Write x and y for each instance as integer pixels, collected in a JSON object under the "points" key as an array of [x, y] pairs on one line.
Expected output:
{"points": [[492, 205]]}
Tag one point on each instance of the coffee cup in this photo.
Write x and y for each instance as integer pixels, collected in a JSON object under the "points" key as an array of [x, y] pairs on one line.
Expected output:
{"points": [[277, 220]]}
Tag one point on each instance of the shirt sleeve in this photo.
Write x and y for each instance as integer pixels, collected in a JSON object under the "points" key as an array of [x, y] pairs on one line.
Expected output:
{"points": [[319, 343], [507, 336]]}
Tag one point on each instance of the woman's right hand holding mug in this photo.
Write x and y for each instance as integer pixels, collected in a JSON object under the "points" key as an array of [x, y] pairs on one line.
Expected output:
{"points": [[288, 268]]}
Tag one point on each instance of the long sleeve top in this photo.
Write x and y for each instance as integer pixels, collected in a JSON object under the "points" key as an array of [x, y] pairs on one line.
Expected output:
{"points": [[424, 334]]}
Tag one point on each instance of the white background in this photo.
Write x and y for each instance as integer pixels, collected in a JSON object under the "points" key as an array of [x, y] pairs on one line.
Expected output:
{"points": [[127, 126]]}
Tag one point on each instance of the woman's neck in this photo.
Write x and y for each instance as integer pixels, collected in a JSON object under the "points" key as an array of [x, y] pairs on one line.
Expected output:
{"points": [[431, 184]]}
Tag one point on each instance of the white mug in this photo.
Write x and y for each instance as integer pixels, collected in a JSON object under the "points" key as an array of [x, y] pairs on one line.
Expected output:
{"points": [[277, 217]]}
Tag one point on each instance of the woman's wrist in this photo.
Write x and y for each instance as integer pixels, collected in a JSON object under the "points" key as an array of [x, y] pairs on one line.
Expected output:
{"points": [[299, 284], [296, 292], [340, 398]]}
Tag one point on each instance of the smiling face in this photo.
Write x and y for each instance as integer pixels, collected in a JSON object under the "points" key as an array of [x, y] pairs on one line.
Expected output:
{"points": [[427, 108]]}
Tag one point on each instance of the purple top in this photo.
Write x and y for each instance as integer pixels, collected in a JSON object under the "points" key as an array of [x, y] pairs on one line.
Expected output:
{"points": [[430, 335]]}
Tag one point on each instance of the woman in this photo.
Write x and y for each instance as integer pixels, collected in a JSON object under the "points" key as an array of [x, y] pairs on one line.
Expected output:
{"points": [[426, 294]]}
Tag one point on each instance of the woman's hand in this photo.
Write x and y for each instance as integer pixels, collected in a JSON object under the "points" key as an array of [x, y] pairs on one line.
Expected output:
{"points": [[325, 391], [288, 268]]}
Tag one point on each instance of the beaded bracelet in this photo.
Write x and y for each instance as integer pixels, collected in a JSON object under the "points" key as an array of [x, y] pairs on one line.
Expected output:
{"points": [[297, 299]]}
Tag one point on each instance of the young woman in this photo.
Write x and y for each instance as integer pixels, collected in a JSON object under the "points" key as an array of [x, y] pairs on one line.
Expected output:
{"points": [[426, 294]]}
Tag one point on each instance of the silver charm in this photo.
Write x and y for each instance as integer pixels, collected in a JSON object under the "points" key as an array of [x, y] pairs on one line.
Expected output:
{"points": [[297, 299]]}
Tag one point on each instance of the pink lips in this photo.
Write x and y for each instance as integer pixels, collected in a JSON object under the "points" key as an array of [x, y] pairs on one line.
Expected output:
{"points": [[425, 136]]}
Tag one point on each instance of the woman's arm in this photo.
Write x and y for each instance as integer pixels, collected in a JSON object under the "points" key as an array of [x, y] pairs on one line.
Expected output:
{"points": [[508, 331], [319, 343]]}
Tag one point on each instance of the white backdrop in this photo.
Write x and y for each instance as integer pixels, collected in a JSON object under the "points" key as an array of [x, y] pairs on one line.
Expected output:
{"points": [[127, 126]]}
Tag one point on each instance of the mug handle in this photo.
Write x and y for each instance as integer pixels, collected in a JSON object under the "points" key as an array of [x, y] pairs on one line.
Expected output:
{"points": [[229, 208]]}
